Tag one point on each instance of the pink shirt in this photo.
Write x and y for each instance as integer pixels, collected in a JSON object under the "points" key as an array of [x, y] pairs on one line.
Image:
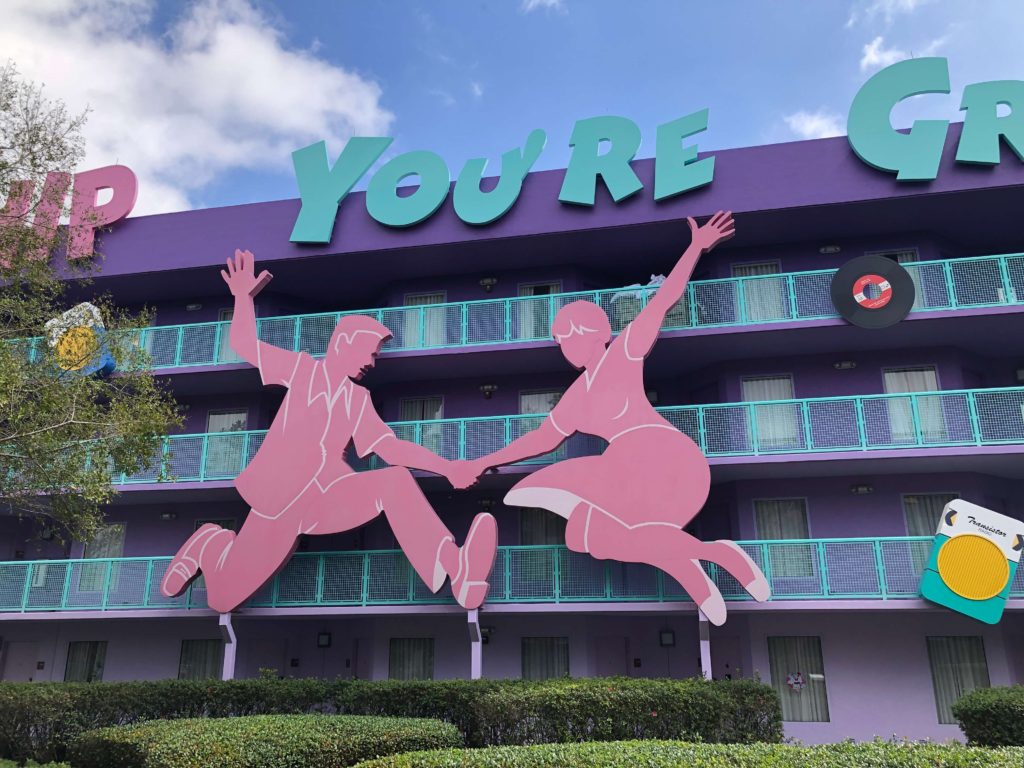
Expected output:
{"points": [[306, 443]]}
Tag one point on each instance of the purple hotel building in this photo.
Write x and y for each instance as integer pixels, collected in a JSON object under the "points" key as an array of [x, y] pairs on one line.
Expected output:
{"points": [[832, 448]]}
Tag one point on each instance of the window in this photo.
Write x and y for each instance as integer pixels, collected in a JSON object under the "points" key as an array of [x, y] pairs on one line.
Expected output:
{"points": [[545, 658], [425, 409], [765, 298], [85, 661], [224, 451], [779, 427], [411, 658], [534, 311], [958, 667], [539, 526], [924, 510], [798, 674], [200, 659], [225, 354], [426, 327], [930, 418], [108, 542], [786, 519]]}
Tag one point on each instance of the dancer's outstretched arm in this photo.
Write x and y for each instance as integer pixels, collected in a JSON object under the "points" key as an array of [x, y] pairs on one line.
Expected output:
{"points": [[276, 365], [643, 331]]}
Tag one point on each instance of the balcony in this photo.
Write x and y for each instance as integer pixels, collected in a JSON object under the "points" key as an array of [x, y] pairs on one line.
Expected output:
{"points": [[980, 417], [816, 569], [977, 282]]}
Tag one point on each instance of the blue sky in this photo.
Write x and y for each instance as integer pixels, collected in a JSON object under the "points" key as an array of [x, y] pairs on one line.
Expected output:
{"points": [[206, 99]]}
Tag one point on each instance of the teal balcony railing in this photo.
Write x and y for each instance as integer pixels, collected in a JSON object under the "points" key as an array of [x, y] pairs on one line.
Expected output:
{"points": [[861, 423], [982, 281], [815, 569]]}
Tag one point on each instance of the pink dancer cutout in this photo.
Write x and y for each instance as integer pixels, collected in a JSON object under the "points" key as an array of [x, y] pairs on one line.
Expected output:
{"points": [[298, 482], [631, 502]]}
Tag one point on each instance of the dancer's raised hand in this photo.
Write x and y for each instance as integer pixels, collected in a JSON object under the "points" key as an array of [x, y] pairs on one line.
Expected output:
{"points": [[241, 275], [717, 229]]}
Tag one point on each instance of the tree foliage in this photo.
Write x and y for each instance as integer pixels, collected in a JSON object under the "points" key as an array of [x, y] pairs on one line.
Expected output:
{"points": [[63, 435]]}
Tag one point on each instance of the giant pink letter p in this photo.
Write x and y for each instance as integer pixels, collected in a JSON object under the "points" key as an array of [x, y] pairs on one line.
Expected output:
{"points": [[87, 216]]}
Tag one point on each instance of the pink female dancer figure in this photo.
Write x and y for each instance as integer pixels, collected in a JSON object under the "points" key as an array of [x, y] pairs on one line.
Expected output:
{"points": [[298, 483], [631, 502]]}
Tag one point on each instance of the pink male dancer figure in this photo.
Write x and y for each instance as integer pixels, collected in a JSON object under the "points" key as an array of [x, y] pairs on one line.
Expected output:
{"points": [[631, 502], [298, 482]]}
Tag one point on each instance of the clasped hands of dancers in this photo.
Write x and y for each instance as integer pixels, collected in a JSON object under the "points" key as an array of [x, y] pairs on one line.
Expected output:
{"points": [[629, 503]]}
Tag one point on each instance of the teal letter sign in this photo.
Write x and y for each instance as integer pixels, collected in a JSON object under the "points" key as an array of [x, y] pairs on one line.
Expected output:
{"points": [[914, 156], [586, 164], [979, 143]]}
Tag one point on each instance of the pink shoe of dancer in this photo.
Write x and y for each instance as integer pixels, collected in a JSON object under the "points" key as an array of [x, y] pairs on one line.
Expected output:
{"points": [[470, 583], [185, 566]]}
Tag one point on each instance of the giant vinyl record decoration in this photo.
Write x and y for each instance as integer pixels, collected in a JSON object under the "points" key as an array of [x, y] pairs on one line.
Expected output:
{"points": [[872, 292]]}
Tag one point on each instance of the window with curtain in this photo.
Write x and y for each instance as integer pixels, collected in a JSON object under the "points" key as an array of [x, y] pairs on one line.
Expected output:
{"points": [[778, 426], [85, 661], [786, 520], [901, 409], [200, 659], [539, 526], [224, 451], [798, 674], [906, 256], [766, 298], [425, 409], [225, 353], [425, 327], [411, 658], [545, 658], [534, 312], [108, 542], [958, 667], [924, 510]]}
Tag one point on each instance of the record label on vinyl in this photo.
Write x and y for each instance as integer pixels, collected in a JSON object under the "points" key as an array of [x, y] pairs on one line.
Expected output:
{"points": [[872, 292]]}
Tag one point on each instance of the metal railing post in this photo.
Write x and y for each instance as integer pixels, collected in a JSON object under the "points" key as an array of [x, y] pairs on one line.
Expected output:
{"points": [[823, 569], [67, 585], [972, 409], [862, 432], [27, 588], [365, 597], [321, 565], [179, 340], [741, 299], [106, 582], [916, 416], [947, 272], [149, 583], [883, 585]]}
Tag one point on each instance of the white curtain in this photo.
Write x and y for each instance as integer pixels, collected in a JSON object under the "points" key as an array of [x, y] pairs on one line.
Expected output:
{"points": [[226, 354], [545, 658], [901, 409], [538, 526], [432, 321], [200, 659], [806, 700], [534, 314], [425, 409], [224, 452], [924, 510], [411, 658], [958, 667], [778, 426], [108, 542], [85, 661], [786, 520], [765, 299]]}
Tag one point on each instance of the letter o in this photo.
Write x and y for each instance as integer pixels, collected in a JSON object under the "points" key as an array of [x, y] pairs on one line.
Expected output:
{"points": [[383, 202]]}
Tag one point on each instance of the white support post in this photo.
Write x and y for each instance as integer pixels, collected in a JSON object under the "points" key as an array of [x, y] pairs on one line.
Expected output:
{"points": [[704, 629], [227, 632], [476, 645]]}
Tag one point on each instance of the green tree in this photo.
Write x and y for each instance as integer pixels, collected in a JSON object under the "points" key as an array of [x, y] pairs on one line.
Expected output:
{"points": [[63, 435]]}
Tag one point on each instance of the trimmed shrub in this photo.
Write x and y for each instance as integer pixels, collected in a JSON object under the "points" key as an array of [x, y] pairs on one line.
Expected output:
{"points": [[992, 717], [259, 741], [613, 709], [669, 754], [39, 720]]}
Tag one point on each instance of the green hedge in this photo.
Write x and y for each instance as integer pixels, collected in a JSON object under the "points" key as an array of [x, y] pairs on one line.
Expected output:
{"points": [[668, 754], [992, 717], [39, 720], [259, 741]]}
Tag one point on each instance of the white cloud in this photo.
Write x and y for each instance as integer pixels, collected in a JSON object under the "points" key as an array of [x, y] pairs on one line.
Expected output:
{"points": [[526, 6], [476, 89], [222, 90], [877, 56], [443, 96], [815, 125], [887, 9]]}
